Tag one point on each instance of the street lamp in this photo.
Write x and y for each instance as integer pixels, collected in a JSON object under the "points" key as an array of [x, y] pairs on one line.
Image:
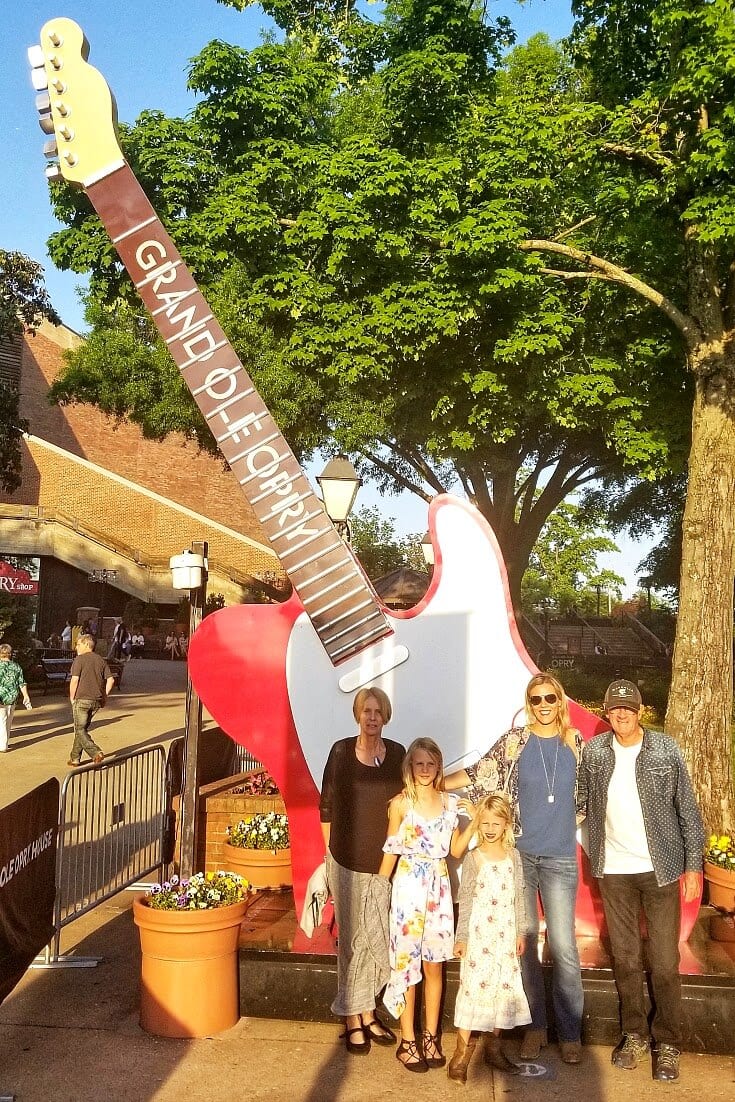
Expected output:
{"points": [[101, 577], [189, 571], [339, 483]]}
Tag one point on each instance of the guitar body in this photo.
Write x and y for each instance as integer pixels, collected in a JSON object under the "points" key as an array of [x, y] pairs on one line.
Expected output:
{"points": [[280, 679]]}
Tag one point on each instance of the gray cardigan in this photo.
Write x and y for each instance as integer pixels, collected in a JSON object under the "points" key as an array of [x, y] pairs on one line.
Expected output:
{"points": [[470, 869]]}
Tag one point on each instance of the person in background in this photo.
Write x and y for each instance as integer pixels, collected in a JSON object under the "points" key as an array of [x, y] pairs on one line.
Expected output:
{"points": [[536, 766], [645, 834], [362, 775], [90, 685], [66, 635], [12, 682]]}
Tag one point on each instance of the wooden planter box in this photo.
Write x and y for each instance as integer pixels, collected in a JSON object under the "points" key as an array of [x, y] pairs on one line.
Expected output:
{"points": [[219, 807]]}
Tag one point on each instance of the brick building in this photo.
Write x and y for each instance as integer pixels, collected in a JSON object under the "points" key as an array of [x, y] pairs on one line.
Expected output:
{"points": [[95, 494]]}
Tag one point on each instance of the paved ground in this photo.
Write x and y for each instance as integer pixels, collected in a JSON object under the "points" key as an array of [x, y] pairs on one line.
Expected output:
{"points": [[73, 1035]]}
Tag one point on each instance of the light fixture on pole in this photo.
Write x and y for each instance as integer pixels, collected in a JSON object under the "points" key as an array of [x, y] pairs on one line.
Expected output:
{"points": [[427, 550], [101, 577], [189, 571], [339, 483]]}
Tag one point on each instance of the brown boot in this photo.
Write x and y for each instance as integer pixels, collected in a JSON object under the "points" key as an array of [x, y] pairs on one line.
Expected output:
{"points": [[533, 1041], [462, 1055], [495, 1057]]}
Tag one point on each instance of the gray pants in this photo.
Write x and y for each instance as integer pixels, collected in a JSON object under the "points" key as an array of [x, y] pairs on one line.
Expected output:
{"points": [[82, 711]]}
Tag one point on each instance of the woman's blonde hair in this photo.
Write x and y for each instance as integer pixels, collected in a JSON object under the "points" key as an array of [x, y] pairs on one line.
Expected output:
{"points": [[430, 747], [384, 705], [499, 804], [567, 733], [5, 650]]}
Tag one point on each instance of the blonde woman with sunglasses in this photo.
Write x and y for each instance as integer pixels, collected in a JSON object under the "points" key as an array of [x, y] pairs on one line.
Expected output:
{"points": [[536, 766]]}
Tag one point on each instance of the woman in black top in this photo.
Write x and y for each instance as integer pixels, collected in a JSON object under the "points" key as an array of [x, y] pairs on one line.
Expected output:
{"points": [[362, 775]]}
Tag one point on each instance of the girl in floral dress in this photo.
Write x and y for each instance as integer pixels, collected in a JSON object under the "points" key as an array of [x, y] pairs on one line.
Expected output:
{"points": [[491, 933], [422, 828]]}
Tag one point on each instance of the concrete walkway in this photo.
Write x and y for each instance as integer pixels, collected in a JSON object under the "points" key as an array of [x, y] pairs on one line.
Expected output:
{"points": [[73, 1035]]}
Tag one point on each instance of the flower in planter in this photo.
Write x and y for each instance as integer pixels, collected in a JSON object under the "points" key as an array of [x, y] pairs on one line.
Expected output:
{"points": [[201, 892], [721, 851], [265, 830], [258, 784]]}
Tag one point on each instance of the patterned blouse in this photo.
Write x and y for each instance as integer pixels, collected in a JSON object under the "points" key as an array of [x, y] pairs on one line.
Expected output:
{"points": [[12, 679]]}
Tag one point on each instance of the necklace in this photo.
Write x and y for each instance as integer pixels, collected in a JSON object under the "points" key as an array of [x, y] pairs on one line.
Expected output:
{"points": [[550, 787], [379, 753]]}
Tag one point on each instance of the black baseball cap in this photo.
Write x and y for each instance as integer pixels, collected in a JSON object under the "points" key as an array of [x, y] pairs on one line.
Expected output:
{"points": [[623, 694]]}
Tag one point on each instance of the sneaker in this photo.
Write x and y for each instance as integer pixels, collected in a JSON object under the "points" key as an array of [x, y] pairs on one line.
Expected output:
{"points": [[629, 1050], [533, 1041], [73, 764], [667, 1063], [571, 1052]]}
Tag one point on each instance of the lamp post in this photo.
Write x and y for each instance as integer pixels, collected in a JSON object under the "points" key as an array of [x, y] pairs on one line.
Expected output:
{"points": [[189, 571], [339, 483], [101, 577]]}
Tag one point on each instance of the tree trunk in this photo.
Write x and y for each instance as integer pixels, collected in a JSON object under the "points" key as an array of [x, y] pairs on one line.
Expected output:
{"points": [[699, 714]]}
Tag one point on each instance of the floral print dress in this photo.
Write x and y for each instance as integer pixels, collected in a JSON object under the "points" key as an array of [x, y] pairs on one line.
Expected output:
{"points": [[421, 914], [491, 994]]}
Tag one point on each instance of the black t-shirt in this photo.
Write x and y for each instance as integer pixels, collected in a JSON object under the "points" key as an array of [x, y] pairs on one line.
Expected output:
{"points": [[355, 800], [93, 672]]}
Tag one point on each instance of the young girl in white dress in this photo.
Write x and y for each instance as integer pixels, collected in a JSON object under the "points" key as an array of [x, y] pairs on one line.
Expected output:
{"points": [[490, 937], [422, 828]]}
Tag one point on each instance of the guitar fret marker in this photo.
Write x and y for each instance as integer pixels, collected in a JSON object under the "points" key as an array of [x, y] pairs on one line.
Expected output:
{"points": [[178, 296], [321, 593], [204, 355], [135, 229], [358, 643], [323, 573], [304, 543], [328, 639], [305, 562], [339, 600], [343, 615]]}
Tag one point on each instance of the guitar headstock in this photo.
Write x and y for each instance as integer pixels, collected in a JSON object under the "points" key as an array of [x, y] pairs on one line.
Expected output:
{"points": [[74, 104]]}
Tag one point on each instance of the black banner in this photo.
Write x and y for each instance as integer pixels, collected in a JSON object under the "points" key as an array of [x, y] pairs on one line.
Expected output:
{"points": [[28, 830]]}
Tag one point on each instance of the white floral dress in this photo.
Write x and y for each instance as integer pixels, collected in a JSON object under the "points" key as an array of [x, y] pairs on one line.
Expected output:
{"points": [[421, 914], [491, 994]]}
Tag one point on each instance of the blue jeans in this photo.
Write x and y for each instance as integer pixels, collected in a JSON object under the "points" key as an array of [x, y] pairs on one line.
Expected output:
{"points": [[555, 880]]}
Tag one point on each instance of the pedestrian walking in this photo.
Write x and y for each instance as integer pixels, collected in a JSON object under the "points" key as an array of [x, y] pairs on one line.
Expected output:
{"points": [[12, 683], [90, 685]]}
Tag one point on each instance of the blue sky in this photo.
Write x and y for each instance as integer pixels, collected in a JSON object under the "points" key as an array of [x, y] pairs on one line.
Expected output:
{"points": [[142, 47]]}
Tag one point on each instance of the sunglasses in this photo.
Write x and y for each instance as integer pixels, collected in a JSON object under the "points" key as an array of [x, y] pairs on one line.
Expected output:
{"points": [[550, 698]]}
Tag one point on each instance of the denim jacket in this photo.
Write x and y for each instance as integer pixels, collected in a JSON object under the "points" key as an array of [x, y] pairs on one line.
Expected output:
{"points": [[674, 830], [496, 770]]}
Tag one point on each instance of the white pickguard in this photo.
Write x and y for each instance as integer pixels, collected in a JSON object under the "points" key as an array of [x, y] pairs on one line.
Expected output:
{"points": [[464, 680]]}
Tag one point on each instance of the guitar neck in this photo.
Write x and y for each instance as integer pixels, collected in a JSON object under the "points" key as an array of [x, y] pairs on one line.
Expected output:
{"points": [[333, 589]]}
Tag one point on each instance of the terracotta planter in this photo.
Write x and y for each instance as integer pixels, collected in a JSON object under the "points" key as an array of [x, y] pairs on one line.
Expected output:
{"points": [[722, 928], [262, 867], [721, 886], [189, 976]]}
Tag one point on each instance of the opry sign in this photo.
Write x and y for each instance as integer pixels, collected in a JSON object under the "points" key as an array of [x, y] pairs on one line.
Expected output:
{"points": [[16, 581]]}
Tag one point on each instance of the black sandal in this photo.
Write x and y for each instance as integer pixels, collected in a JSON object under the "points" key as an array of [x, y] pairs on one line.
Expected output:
{"points": [[431, 1041], [378, 1032], [357, 1048], [410, 1048]]}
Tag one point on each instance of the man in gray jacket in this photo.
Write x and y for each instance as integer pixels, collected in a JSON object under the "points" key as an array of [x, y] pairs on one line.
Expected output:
{"points": [[645, 833]]}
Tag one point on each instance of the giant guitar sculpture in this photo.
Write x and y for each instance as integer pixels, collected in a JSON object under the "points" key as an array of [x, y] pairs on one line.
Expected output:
{"points": [[279, 679]]}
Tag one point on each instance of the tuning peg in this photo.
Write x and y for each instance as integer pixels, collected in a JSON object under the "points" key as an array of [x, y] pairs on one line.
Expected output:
{"points": [[50, 149], [53, 172], [35, 57], [46, 122], [38, 79], [43, 102]]}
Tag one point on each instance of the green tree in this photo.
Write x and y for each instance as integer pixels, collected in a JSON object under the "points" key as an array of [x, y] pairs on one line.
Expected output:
{"points": [[354, 200], [562, 569], [667, 121], [23, 303], [378, 547]]}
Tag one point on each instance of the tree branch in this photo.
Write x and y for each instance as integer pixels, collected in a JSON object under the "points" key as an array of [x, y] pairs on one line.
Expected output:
{"points": [[615, 274], [406, 483], [655, 162], [575, 227]]}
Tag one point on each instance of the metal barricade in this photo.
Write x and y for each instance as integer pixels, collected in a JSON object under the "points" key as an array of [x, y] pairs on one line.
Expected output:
{"points": [[112, 820], [245, 760]]}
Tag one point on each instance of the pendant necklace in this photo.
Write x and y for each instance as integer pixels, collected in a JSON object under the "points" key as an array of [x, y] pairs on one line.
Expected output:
{"points": [[550, 787]]}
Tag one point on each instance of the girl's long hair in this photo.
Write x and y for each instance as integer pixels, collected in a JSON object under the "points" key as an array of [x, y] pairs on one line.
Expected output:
{"points": [[430, 747], [567, 733], [499, 804]]}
